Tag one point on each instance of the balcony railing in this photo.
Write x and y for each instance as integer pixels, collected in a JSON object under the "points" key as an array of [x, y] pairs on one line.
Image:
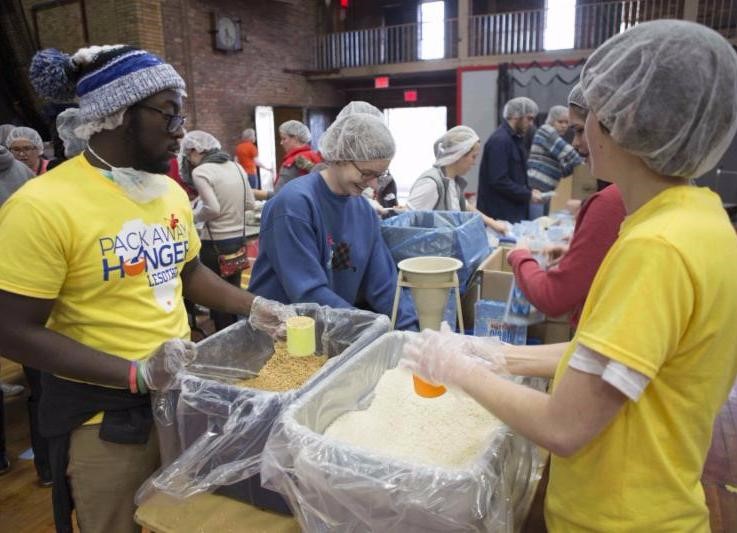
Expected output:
{"points": [[595, 23], [379, 46], [516, 32], [506, 33], [720, 15]]}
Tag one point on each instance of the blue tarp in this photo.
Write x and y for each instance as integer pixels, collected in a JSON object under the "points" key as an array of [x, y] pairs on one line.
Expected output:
{"points": [[443, 233]]}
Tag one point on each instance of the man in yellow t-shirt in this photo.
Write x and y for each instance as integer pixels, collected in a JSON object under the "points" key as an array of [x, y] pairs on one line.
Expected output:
{"points": [[636, 393], [97, 255]]}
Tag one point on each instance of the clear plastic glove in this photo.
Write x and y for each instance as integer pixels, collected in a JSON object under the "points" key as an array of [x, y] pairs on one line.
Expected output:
{"points": [[443, 357], [270, 317], [160, 370], [554, 253]]}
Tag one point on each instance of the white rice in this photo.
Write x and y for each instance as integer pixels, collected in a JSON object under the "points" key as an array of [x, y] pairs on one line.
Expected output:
{"points": [[448, 431]]}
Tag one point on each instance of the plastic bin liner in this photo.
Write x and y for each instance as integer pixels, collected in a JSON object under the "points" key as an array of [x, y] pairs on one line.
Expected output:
{"points": [[443, 233], [489, 322], [333, 486], [219, 430]]}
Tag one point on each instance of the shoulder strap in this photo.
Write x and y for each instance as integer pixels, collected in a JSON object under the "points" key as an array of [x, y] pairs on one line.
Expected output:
{"points": [[438, 179]]}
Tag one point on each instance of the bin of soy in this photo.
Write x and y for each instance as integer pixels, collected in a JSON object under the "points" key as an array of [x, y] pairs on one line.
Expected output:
{"points": [[238, 384], [359, 452]]}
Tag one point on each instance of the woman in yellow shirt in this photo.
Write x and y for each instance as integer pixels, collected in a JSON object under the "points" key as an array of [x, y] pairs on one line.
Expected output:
{"points": [[636, 392]]}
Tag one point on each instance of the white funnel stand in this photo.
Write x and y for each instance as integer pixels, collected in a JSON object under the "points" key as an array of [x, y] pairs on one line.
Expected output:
{"points": [[430, 278]]}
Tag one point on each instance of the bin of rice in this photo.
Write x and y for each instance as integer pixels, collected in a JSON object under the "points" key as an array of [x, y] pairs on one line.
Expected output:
{"points": [[238, 384], [360, 451]]}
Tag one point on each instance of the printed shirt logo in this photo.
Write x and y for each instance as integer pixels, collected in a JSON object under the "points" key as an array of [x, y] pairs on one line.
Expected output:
{"points": [[154, 251], [340, 257]]}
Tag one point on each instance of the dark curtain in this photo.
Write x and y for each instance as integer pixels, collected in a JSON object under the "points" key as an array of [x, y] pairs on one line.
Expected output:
{"points": [[547, 85]]}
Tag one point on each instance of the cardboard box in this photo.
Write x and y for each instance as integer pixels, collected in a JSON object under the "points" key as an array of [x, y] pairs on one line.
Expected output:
{"points": [[583, 184], [550, 332], [562, 194], [492, 281]]}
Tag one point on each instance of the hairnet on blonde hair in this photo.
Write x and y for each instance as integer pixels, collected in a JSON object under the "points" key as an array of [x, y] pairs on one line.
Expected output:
{"points": [[454, 144]]}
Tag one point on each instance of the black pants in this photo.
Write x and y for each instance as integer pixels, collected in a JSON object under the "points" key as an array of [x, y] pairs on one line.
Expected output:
{"points": [[209, 257], [39, 444]]}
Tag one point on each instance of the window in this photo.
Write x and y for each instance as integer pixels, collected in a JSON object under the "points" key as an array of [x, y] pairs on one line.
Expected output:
{"points": [[432, 30], [266, 146], [414, 143], [560, 24]]}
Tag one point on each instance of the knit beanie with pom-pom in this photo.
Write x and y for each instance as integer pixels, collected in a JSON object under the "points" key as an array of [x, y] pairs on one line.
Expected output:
{"points": [[106, 78]]}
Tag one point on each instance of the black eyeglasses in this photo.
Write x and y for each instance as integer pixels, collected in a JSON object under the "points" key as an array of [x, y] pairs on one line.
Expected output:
{"points": [[371, 174], [175, 121]]}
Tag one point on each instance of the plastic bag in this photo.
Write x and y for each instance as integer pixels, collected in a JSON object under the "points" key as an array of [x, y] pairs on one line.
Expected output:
{"points": [[489, 322], [442, 233], [219, 430], [332, 486]]}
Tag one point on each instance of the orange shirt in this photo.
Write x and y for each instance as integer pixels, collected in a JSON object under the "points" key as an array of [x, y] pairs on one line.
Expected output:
{"points": [[246, 152]]}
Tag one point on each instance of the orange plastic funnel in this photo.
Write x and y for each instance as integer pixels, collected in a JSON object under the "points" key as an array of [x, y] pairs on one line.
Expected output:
{"points": [[427, 390]]}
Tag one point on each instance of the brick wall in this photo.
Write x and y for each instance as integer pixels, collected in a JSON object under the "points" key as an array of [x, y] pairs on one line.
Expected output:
{"points": [[136, 22], [224, 88]]}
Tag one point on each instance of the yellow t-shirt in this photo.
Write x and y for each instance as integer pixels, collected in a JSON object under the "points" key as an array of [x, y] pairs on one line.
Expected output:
{"points": [[111, 264], [664, 303]]}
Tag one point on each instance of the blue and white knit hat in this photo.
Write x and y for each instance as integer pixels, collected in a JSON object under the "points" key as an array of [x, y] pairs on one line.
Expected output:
{"points": [[106, 79]]}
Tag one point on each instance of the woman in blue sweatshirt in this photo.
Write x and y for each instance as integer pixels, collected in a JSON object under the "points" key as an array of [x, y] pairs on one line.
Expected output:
{"points": [[320, 241]]}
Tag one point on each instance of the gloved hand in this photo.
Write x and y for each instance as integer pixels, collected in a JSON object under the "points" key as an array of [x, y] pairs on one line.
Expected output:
{"points": [[270, 317], [159, 370], [443, 357]]}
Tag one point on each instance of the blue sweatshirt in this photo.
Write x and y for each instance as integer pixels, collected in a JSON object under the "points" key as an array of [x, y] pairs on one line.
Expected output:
{"points": [[317, 246]]}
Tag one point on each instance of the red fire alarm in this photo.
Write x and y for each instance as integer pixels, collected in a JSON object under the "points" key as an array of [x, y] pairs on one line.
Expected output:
{"points": [[344, 4], [381, 82], [410, 95]]}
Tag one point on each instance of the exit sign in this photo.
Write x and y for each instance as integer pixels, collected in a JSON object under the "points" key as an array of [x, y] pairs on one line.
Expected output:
{"points": [[410, 95], [381, 82]]}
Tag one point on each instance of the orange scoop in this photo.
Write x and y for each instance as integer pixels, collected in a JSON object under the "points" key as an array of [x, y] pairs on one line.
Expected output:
{"points": [[427, 390]]}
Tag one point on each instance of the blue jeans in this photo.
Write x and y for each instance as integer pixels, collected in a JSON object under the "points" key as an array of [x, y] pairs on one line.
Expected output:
{"points": [[537, 210]]}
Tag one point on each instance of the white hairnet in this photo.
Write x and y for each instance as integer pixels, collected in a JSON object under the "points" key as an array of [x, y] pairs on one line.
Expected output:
{"points": [[23, 132], [199, 141], [296, 129], [667, 92], [576, 99], [454, 144], [5, 129], [357, 137], [555, 113], [249, 134], [519, 107], [87, 129], [359, 106], [66, 123]]}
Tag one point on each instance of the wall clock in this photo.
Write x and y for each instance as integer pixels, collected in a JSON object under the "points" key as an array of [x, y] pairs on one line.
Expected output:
{"points": [[227, 33]]}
